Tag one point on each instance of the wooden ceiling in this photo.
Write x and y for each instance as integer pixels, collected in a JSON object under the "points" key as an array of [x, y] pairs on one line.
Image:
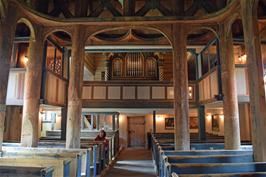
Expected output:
{"points": [[118, 8]]}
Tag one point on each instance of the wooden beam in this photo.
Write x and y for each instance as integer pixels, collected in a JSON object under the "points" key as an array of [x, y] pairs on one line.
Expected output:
{"points": [[179, 7], [208, 6], [61, 6], [42, 6], [193, 8], [111, 8], [81, 8], [97, 11], [129, 7], [221, 4], [145, 9], [164, 10]]}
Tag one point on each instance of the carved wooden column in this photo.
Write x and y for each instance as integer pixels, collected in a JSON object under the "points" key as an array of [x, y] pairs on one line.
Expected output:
{"points": [[32, 91], [75, 88], [230, 101], [7, 31], [255, 75], [181, 107]]}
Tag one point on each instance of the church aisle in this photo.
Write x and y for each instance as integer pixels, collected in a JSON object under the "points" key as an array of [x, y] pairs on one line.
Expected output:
{"points": [[133, 163]]}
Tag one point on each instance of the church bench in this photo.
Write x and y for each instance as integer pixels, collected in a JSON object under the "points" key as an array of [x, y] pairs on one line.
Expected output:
{"points": [[13, 171], [210, 159], [249, 174], [84, 145], [195, 146], [206, 152], [201, 156], [214, 168], [204, 160], [61, 166], [80, 158]]}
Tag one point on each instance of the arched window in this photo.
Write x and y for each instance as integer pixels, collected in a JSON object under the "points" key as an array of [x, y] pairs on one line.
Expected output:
{"points": [[151, 67], [117, 67]]}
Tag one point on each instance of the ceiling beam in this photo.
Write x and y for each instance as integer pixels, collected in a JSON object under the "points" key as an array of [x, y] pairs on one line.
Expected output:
{"points": [[129, 7], [81, 8], [179, 7]]}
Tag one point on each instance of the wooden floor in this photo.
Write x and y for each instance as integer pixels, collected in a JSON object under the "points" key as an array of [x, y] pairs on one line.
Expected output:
{"points": [[133, 163]]}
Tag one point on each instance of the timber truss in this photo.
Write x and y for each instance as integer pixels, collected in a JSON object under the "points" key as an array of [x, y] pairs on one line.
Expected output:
{"points": [[120, 8]]}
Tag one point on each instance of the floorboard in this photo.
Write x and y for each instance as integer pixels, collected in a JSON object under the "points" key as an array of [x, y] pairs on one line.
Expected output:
{"points": [[133, 163]]}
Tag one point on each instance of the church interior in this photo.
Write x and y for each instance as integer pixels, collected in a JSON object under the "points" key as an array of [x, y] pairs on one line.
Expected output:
{"points": [[141, 88]]}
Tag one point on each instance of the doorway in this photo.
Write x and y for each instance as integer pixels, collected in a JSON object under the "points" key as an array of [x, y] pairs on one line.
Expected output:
{"points": [[136, 131]]}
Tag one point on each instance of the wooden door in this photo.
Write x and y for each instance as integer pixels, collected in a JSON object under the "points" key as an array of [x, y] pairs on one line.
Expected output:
{"points": [[136, 131]]}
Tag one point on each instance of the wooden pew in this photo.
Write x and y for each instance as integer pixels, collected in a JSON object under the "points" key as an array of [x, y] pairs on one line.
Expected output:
{"points": [[202, 156], [206, 152], [11, 171], [251, 174], [211, 159], [80, 158], [222, 168], [61, 166]]}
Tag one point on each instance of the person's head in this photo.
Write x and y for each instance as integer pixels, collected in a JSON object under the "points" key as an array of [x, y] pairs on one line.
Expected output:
{"points": [[102, 134]]}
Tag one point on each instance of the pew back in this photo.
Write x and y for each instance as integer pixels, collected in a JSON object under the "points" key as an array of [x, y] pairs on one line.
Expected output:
{"points": [[61, 166], [11, 171]]}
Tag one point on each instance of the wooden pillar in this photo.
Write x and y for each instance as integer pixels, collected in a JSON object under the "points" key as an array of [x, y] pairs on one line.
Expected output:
{"points": [[7, 32], [32, 91], [117, 121], [180, 78], [63, 122], [75, 88], [154, 121], [202, 127], [113, 122], [92, 121], [229, 90], [255, 77], [98, 121]]}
